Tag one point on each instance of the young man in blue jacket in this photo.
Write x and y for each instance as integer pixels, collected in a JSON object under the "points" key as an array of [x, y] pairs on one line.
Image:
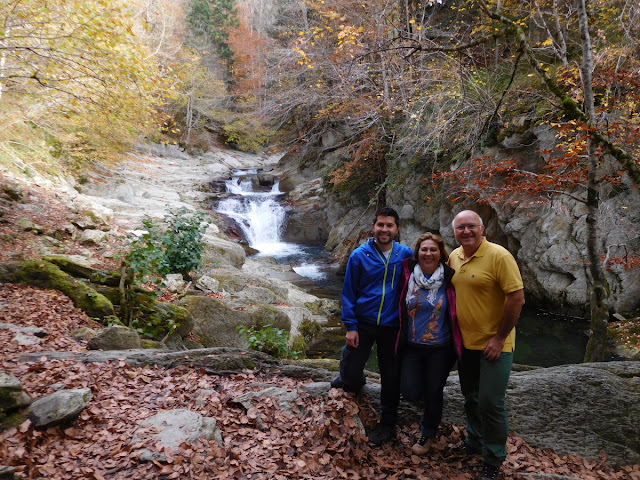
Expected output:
{"points": [[370, 297]]}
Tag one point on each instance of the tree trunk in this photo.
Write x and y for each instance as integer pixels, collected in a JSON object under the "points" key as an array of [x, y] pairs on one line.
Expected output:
{"points": [[597, 346]]}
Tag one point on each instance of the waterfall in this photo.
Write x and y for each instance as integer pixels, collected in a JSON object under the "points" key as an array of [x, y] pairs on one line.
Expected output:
{"points": [[262, 218], [258, 213]]}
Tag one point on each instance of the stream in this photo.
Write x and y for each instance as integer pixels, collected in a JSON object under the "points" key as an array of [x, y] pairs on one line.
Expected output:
{"points": [[542, 339]]}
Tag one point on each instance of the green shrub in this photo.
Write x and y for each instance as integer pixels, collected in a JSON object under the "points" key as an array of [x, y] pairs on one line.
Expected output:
{"points": [[268, 339], [182, 241], [176, 249]]}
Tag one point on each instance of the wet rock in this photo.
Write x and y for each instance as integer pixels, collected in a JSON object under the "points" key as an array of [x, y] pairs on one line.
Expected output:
{"points": [[59, 408]]}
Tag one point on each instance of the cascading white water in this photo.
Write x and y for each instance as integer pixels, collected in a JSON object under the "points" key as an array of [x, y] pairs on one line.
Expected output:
{"points": [[259, 214]]}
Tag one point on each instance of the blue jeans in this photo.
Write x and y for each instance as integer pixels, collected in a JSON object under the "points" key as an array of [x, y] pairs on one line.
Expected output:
{"points": [[354, 360], [424, 372], [484, 386]]}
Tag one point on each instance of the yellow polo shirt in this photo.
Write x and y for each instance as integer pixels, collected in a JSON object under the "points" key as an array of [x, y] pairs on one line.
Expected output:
{"points": [[482, 283]]}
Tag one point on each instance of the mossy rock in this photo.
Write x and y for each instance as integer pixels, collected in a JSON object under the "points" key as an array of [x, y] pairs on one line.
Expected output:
{"points": [[158, 318], [112, 293], [43, 274], [75, 266], [13, 419]]}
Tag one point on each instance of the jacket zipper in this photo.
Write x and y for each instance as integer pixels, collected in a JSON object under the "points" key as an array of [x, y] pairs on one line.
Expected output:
{"points": [[384, 281]]}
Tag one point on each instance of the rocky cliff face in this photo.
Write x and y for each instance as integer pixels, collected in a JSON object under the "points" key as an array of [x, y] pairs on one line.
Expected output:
{"points": [[547, 239]]}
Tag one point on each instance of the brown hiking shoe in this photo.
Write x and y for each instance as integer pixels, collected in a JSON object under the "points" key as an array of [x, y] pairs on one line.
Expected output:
{"points": [[422, 446]]}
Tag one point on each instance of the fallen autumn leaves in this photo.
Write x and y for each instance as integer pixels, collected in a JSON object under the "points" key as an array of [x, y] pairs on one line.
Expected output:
{"points": [[262, 443]]}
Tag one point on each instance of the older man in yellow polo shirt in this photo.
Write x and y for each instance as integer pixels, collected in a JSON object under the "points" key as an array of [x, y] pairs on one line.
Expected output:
{"points": [[490, 296]]}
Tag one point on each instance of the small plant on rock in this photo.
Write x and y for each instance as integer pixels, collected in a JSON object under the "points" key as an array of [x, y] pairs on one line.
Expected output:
{"points": [[268, 339]]}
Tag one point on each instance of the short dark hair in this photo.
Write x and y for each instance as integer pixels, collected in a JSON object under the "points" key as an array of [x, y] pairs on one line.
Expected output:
{"points": [[444, 255], [387, 212]]}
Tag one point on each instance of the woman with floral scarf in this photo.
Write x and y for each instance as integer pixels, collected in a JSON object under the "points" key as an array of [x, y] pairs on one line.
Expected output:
{"points": [[429, 341]]}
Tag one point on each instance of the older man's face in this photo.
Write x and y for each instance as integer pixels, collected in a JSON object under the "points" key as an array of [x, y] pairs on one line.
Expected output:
{"points": [[468, 230]]}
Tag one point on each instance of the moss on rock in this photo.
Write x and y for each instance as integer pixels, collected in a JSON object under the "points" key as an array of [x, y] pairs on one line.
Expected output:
{"points": [[43, 274], [78, 268]]}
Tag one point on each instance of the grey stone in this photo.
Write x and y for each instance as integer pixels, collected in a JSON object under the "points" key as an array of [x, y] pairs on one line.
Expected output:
{"points": [[317, 389], [125, 193], [7, 472], [286, 399], [174, 282], [218, 251], [29, 225], [35, 331], [578, 409], [115, 338], [9, 382], [215, 321], [307, 220], [92, 237], [257, 294], [25, 340], [207, 284], [11, 395], [84, 333], [174, 427], [59, 408]]}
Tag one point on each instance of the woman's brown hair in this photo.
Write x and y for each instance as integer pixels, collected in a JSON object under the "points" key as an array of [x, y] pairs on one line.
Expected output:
{"points": [[444, 255]]}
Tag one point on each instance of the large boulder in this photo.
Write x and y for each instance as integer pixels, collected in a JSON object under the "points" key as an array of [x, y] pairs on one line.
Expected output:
{"points": [[59, 408], [307, 220], [578, 409], [215, 320], [43, 274], [115, 338], [218, 251]]}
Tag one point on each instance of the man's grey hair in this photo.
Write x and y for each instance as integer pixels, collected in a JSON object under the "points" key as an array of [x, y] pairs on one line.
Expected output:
{"points": [[453, 222]]}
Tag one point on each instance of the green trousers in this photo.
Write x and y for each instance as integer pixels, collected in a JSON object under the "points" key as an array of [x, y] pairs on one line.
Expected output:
{"points": [[484, 386]]}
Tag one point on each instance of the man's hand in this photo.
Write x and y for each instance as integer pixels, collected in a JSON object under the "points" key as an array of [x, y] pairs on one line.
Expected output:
{"points": [[493, 348], [353, 339], [512, 309]]}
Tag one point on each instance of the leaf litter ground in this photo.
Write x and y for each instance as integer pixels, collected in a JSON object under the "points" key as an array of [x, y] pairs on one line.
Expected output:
{"points": [[265, 442]]}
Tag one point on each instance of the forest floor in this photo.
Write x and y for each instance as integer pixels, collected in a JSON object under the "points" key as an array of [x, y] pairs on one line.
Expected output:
{"points": [[324, 443]]}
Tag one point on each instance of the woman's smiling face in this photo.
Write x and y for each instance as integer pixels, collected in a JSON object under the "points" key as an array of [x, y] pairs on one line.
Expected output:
{"points": [[429, 256]]}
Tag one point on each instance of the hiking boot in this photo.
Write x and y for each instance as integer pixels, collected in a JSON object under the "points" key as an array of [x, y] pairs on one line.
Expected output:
{"points": [[382, 433], [422, 446], [467, 449], [489, 472], [337, 382]]}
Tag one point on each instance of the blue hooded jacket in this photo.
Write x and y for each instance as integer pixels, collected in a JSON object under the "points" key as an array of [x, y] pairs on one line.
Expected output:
{"points": [[370, 293]]}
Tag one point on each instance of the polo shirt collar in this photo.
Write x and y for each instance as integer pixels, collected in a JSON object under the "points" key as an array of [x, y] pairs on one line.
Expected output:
{"points": [[480, 252]]}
